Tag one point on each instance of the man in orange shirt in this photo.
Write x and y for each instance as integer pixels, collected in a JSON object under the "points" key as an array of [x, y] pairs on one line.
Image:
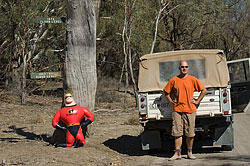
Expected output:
{"points": [[179, 92]]}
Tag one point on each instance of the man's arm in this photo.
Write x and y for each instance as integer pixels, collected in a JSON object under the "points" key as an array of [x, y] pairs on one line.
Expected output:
{"points": [[202, 94], [167, 95]]}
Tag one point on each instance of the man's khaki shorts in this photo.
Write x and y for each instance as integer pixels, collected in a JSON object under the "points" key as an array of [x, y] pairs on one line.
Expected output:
{"points": [[183, 122]]}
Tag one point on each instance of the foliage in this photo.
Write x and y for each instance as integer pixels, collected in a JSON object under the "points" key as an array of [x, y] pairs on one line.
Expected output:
{"points": [[110, 26], [27, 46], [21, 35], [184, 24]]}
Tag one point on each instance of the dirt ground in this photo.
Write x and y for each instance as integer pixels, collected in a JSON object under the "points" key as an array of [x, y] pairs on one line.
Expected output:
{"points": [[25, 131], [114, 138]]}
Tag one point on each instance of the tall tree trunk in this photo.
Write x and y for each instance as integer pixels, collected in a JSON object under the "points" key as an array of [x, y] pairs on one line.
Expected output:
{"points": [[97, 4], [13, 82], [126, 37], [24, 93], [156, 26], [80, 61]]}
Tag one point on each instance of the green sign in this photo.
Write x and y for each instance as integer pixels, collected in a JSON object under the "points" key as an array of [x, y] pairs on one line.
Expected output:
{"points": [[47, 20], [45, 75]]}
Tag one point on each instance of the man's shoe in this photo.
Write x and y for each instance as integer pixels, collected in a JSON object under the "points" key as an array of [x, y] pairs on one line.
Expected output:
{"points": [[190, 155], [176, 156]]}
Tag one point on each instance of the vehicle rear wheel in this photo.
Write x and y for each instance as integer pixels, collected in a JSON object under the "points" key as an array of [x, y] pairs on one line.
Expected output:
{"points": [[154, 151], [227, 147]]}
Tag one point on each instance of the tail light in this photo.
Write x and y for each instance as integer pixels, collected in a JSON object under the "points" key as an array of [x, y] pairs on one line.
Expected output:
{"points": [[142, 99], [225, 102], [143, 117], [142, 102]]}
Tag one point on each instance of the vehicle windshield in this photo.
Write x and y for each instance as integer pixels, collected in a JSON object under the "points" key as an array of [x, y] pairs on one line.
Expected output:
{"points": [[170, 69], [239, 71]]}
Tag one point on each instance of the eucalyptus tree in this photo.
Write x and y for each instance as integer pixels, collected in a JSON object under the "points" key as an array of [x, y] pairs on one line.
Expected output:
{"points": [[207, 24], [80, 60], [182, 24], [235, 38], [23, 41]]}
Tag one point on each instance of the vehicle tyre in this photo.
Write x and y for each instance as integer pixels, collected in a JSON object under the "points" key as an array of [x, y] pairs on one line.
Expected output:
{"points": [[154, 151], [227, 147]]}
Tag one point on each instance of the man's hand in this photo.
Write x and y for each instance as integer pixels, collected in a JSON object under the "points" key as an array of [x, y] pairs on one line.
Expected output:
{"points": [[173, 102], [167, 95], [197, 101], [193, 101]]}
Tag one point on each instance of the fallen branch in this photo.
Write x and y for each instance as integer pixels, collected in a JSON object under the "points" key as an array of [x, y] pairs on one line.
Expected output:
{"points": [[36, 88], [127, 91]]}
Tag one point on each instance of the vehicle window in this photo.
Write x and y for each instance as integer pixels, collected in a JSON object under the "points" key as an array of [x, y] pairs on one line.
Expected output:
{"points": [[170, 69], [239, 71]]}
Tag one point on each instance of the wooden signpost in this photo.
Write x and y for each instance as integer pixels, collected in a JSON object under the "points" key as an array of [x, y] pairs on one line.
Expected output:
{"points": [[48, 20], [45, 75]]}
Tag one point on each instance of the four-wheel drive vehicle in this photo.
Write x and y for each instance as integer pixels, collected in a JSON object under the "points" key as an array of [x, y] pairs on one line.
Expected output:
{"points": [[239, 71], [214, 115]]}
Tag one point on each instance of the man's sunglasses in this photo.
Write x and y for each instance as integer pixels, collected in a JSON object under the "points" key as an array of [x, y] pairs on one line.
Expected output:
{"points": [[67, 97], [184, 67]]}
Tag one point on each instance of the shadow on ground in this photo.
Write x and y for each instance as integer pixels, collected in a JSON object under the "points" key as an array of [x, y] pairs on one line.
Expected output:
{"points": [[131, 145], [126, 144], [57, 137], [27, 135], [242, 159]]}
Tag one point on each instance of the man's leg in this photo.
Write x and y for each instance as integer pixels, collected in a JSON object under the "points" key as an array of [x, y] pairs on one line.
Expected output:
{"points": [[190, 141], [177, 154], [178, 142], [177, 131], [190, 125]]}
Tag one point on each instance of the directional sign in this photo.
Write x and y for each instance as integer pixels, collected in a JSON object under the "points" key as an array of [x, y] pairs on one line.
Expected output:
{"points": [[45, 75], [47, 20]]}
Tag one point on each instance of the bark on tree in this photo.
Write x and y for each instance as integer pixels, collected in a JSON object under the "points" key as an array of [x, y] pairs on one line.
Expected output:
{"points": [[80, 61], [126, 38], [157, 20], [156, 27], [97, 4]]}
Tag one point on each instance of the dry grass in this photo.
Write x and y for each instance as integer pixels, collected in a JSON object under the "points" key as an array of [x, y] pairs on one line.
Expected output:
{"points": [[109, 97], [132, 120], [40, 118]]}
